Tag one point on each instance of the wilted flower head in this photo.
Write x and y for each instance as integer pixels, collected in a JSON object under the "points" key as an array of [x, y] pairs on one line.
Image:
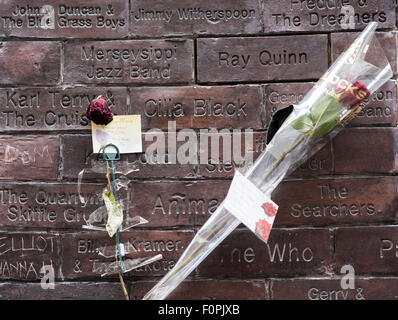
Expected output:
{"points": [[99, 112]]}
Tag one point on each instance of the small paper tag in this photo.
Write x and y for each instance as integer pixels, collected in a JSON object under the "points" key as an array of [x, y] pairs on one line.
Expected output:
{"points": [[249, 204], [122, 251], [124, 132], [115, 213]]}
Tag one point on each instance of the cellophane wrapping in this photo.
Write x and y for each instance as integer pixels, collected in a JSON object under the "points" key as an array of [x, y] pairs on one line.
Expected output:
{"points": [[326, 108]]}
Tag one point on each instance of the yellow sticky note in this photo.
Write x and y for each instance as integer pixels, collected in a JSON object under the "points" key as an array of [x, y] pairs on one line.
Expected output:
{"points": [[124, 132]]}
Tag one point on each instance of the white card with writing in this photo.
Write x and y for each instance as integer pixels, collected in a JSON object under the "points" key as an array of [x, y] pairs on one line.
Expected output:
{"points": [[250, 205], [123, 131]]}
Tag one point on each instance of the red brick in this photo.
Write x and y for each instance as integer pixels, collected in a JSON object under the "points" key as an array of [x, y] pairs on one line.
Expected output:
{"points": [[330, 289], [320, 202], [62, 291], [236, 150], [321, 163], [24, 19], [48, 205], [224, 165], [248, 59], [80, 251], [24, 62], [137, 166], [166, 204], [29, 157], [370, 250], [388, 41], [281, 95], [22, 255], [155, 165], [289, 252], [130, 61], [199, 107], [53, 108], [208, 290], [359, 151], [133, 166], [381, 107], [298, 16], [247, 19]]}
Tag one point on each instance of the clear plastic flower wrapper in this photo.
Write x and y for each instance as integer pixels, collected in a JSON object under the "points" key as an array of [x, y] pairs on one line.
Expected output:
{"points": [[333, 101]]}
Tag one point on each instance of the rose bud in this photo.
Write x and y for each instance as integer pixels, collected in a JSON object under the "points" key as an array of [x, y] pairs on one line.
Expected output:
{"points": [[354, 94], [99, 112]]}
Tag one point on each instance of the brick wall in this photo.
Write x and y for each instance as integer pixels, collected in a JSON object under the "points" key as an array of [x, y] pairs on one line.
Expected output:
{"points": [[258, 56]]}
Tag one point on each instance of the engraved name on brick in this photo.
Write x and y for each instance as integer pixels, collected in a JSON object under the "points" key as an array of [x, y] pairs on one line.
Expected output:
{"points": [[261, 58], [130, 61], [83, 19], [381, 106], [298, 251], [199, 107], [366, 288], [53, 108], [331, 201], [48, 205], [132, 165], [177, 203], [81, 257], [168, 18], [235, 151], [369, 249], [308, 15]]}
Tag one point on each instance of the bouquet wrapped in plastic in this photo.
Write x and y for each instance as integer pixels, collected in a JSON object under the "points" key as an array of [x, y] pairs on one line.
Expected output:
{"points": [[334, 100]]}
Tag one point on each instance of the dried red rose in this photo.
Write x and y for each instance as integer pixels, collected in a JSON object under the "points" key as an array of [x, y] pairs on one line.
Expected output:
{"points": [[99, 112], [269, 209], [354, 94], [263, 229]]}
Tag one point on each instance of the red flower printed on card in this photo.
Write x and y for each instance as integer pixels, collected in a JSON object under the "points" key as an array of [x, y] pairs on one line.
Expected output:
{"points": [[263, 229], [269, 209]]}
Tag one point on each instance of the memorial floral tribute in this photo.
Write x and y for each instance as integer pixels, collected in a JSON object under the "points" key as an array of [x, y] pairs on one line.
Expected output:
{"points": [[101, 115], [339, 95]]}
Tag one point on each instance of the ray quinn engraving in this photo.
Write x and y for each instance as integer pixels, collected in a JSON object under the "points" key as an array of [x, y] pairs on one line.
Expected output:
{"points": [[265, 58]]}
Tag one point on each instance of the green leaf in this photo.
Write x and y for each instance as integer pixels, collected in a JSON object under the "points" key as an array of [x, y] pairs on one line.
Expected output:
{"points": [[303, 123], [325, 111], [324, 128], [323, 117]]}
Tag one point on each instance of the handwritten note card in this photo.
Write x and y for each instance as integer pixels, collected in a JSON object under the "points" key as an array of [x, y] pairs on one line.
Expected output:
{"points": [[124, 132]]}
